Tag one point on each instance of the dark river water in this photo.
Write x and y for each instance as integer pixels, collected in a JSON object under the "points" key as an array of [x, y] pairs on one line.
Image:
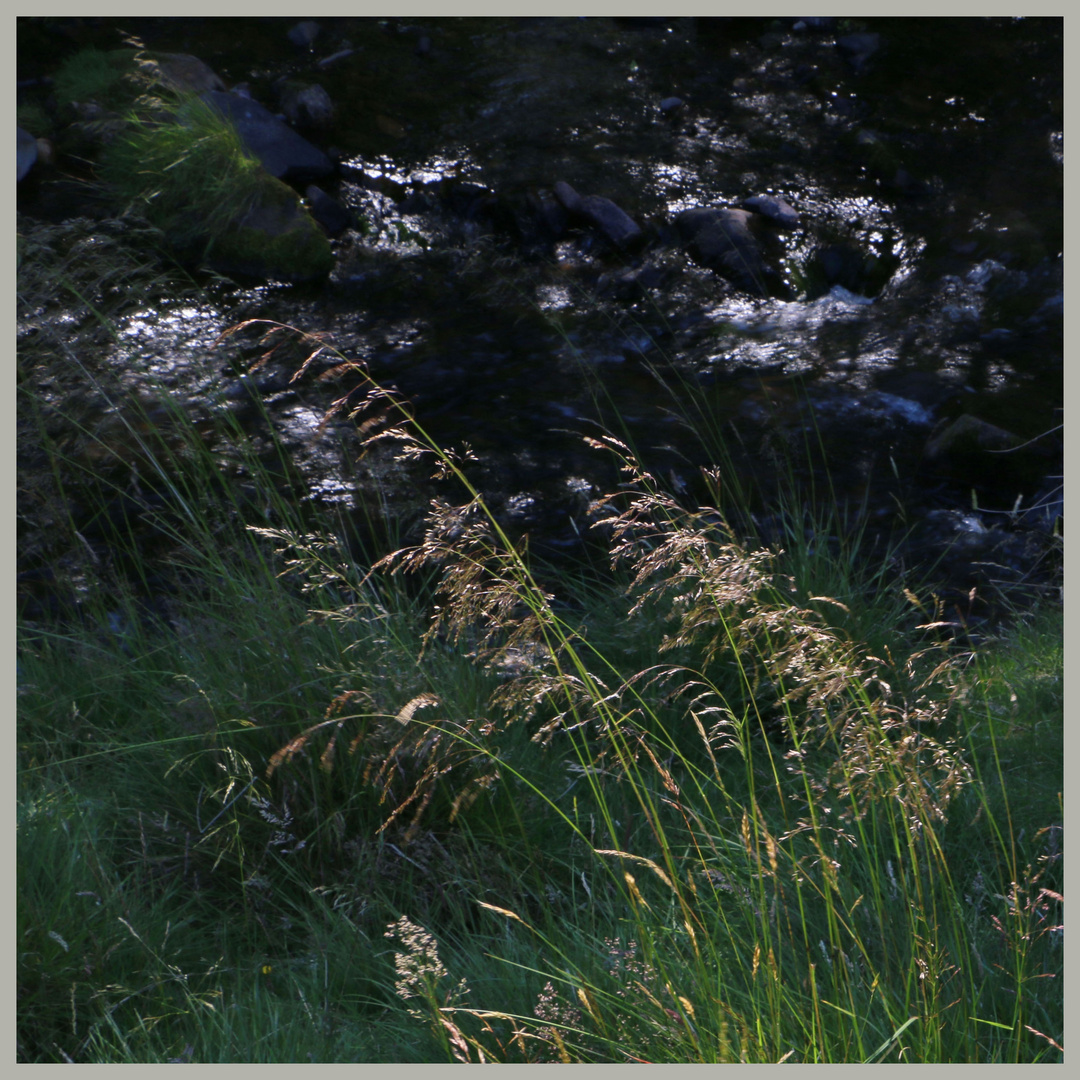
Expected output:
{"points": [[923, 281]]}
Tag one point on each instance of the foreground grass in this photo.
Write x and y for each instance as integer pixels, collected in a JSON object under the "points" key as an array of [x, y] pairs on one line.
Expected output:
{"points": [[467, 808]]}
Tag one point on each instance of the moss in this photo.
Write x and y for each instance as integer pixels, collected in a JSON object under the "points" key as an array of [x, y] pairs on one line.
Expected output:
{"points": [[189, 171], [277, 238]]}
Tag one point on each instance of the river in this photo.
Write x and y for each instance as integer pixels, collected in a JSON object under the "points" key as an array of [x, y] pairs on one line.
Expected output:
{"points": [[923, 282]]}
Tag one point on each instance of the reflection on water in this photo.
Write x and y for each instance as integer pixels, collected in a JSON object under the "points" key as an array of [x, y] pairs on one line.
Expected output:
{"points": [[924, 270]]}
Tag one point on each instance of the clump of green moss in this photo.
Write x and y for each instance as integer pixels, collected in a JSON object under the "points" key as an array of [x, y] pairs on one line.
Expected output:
{"points": [[277, 238]]}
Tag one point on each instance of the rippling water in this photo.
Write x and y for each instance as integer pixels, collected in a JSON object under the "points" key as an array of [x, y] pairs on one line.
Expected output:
{"points": [[936, 172]]}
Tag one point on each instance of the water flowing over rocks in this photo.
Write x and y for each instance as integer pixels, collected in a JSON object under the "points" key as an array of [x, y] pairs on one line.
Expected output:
{"points": [[808, 228]]}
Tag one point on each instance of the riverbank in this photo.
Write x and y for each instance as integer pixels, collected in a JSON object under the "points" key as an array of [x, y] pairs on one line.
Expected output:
{"points": [[569, 643]]}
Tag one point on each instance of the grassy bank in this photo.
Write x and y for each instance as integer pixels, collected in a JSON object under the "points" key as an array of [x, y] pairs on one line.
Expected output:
{"points": [[463, 806]]}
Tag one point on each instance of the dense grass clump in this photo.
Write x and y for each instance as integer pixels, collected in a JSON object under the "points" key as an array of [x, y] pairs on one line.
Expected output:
{"points": [[452, 805], [93, 75]]}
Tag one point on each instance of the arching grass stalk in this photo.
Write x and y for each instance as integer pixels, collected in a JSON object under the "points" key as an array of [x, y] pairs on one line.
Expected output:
{"points": [[813, 915]]}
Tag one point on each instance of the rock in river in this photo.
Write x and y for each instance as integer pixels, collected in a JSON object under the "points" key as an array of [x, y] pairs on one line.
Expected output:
{"points": [[27, 151], [304, 104], [283, 152], [775, 209], [303, 34], [603, 214], [327, 211], [721, 240], [858, 48], [187, 74]]}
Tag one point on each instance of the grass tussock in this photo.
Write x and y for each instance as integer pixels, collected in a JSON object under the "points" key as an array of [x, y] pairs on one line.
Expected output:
{"points": [[454, 805]]}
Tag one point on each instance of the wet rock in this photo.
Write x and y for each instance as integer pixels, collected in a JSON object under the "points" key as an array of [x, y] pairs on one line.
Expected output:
{"points": [[327, 211], [570, 199], [614, 223], [468, 200], [187, 74], [858, 48], [821, 25], [550, 213], [283, 153], [966, 434], [721, 240], [27, 151], [844, 264], [305, 105], [303, 34], [773, 208], [275, 240], [535, 218], [341, 54]]}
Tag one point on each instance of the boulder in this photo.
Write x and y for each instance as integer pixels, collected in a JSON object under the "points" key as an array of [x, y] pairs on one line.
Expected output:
{"points": [[773, 208], [27, 151], [615, 224], [276, 240], [283, 153], [306, 105], [327, 211], [721, 240], [187, 74], [968, 435], [858, 48], [303, 34]]}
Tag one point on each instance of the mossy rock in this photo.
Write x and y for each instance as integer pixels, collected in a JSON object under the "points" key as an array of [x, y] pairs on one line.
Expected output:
{"points": [[276, 239], [189, 172]]}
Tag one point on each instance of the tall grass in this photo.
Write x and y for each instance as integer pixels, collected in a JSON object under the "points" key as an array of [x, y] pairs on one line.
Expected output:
{"points": [[186, 168], [455, 806]]}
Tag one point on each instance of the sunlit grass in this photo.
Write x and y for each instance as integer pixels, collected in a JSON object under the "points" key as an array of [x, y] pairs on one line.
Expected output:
{"points": [[457, 806]]}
